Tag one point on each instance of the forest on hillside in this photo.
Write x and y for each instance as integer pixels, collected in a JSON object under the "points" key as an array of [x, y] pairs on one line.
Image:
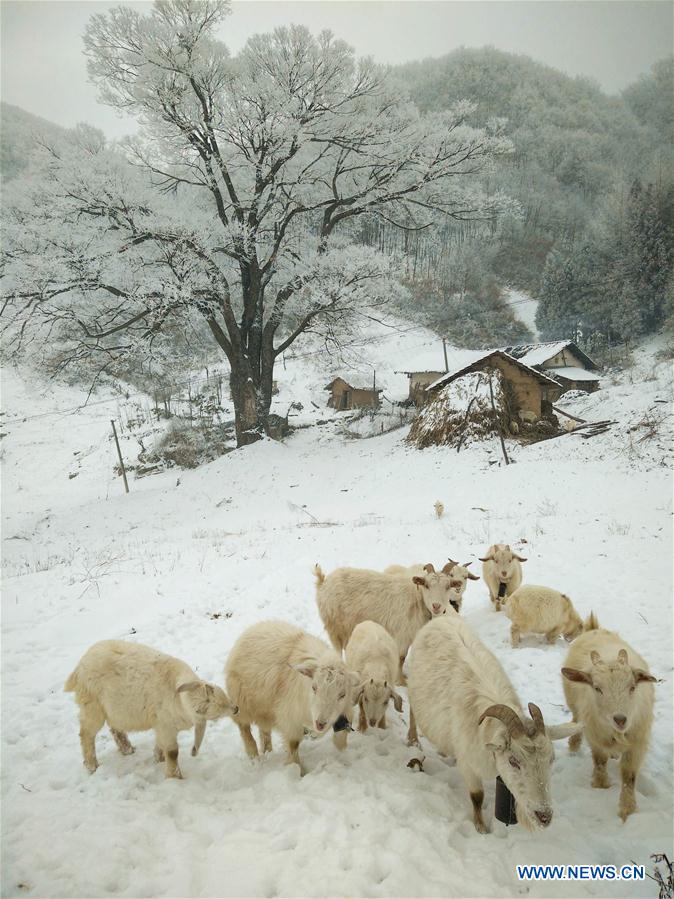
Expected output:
{"points": [[591, 233], [571, 203]]}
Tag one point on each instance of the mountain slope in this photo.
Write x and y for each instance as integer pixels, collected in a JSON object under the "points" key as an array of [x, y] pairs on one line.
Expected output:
{"points": [[20, 132]]}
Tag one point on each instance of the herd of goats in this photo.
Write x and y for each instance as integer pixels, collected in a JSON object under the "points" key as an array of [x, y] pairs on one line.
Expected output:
{"points": [[280, 677]]}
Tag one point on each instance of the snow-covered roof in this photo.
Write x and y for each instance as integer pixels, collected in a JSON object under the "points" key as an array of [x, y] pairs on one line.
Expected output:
{"points": [[352, 386], [450, 375], [573, 373], [535, 354]]}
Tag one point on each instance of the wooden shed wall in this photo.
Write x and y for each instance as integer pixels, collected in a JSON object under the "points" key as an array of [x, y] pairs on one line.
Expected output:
{"points": [[565, 358], [528, 390], [418, 383], [363, 399]]}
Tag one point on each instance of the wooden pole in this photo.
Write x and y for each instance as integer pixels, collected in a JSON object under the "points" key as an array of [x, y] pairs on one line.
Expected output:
{"points": [[498, 423], [119, 454], [444, 351], [568, 415]]}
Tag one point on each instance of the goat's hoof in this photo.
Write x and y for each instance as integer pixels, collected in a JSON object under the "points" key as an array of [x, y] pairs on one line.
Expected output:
{"points": [[601, 783]]}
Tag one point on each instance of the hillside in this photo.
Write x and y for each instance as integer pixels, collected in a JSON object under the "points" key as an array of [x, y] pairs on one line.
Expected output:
{"points": [[189, 559], [573, 144], [19, 133]]}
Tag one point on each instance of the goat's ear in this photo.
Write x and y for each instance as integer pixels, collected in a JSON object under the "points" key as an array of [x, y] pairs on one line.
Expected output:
{"points": [[189, 686], [486, 558], [595, 658], [561, 731], [359, 690], [473, 577], [519, 558], [307, 667], [397, 701], [641, 676], [420, 581], [622, 657], [574, 674]]}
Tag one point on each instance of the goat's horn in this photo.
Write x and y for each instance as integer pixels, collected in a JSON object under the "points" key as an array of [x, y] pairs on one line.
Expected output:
{"points": [[429, 568], [537, 718], [505, 714]]}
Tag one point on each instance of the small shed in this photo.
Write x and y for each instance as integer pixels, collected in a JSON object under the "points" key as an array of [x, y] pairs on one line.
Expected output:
{"points": [[534, 391], [344, 396], [419, 381], [562, 360]]}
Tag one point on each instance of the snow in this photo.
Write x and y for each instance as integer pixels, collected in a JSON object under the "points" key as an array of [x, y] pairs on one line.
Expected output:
{"points": [[237, 538], [525, 307], [542, 352], [572, 373]]}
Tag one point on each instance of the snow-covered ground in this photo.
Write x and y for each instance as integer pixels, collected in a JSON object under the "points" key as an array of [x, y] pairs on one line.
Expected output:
{"points": [[189, 559], [524, 307]]}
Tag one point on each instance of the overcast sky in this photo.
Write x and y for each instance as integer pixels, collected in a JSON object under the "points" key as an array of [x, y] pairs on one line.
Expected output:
{"points": [[43, 69]]}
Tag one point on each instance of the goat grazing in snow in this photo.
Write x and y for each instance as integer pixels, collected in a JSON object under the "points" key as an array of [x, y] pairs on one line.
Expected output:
{"points": [[372, 653], [464, 703], [282, 677], [134, 687], [402, 603], [609, 688], [502, 572], [541, 610]]}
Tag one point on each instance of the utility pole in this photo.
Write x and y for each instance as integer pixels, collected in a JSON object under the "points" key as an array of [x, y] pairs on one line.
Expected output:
{"points": [[119, 454], [444, 350]]}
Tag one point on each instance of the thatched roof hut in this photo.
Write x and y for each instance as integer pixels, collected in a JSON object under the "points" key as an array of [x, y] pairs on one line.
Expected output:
{"points": [[534, 391], [460, 412]]}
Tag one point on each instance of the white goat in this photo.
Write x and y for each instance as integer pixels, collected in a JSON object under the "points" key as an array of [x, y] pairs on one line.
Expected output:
{"points": [[282, 677], [372, 653], [502, 572], [134, 687], [609, 689], [459, 577], [401, 603], [541, 610], [463, 701]]}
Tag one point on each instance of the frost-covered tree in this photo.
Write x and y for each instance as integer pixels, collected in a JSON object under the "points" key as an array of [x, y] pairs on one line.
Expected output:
{"points": [[241, 203]]}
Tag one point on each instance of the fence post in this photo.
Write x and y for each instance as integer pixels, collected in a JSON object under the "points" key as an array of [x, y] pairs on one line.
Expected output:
{"points": [[119, 454]]}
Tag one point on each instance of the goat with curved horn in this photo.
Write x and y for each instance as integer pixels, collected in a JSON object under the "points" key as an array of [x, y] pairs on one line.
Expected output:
{"points": [[537, 718], [505, 714]]}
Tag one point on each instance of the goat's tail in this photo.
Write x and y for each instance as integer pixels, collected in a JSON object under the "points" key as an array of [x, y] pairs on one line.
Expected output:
{"points": [[318, 574]]}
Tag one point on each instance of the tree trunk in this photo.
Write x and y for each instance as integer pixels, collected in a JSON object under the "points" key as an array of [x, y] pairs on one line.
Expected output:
{"points": [[251, 406]]}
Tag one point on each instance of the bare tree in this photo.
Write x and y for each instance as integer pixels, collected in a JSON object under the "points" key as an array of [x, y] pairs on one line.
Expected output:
{"points": [[239, 199]]}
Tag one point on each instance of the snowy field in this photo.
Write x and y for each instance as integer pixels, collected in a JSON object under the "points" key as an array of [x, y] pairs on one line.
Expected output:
{"points": [[189, 559]]}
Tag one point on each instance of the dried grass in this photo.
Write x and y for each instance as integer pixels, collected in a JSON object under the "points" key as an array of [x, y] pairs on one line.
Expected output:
{"points": [[462, 413]]}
